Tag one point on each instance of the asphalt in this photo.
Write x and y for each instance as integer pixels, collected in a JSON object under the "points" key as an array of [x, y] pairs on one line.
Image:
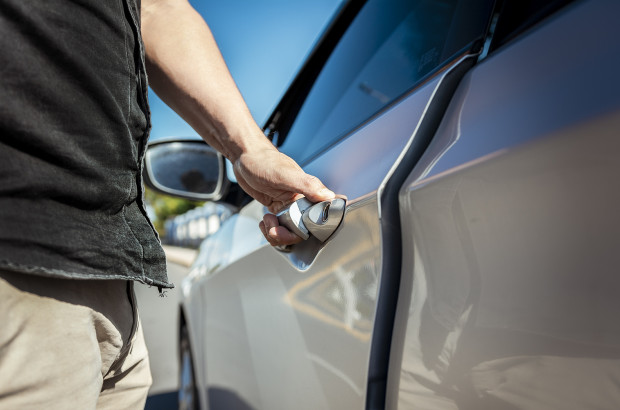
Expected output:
{"points": [[159, 318]]}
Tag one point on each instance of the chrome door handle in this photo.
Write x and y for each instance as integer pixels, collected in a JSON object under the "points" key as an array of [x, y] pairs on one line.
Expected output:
{"points": [[320, 220]]}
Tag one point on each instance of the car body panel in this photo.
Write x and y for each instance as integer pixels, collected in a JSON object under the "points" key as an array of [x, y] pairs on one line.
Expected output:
{"points": [[509, 289], [236, 238], [330, 303]]}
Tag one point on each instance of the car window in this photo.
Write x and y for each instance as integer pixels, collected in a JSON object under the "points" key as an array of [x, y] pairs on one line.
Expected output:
{"points": [[389, 48], [516, 16]]}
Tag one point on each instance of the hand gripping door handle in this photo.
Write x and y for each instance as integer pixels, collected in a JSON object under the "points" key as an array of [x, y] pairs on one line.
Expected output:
{"points": [[320, 220]]}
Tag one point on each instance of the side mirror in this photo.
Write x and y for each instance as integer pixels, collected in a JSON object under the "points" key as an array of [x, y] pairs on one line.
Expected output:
{"points": [[186, 168]]}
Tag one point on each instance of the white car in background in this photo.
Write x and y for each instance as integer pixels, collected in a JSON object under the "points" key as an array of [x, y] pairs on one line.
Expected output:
{"points": [[477, 262]]}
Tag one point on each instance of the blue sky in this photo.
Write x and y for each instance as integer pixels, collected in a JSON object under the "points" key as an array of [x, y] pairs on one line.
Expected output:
{"points": [[263, 42]]}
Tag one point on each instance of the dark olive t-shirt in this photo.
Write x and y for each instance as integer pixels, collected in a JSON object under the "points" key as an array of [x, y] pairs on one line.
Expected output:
{"points": [[74, 121]]}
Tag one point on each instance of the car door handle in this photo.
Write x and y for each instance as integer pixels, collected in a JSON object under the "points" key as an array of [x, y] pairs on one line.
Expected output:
{"points": [[320, 220]]}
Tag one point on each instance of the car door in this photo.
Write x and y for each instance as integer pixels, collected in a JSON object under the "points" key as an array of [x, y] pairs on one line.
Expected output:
{"points": [[509, 291], [311, 328]]}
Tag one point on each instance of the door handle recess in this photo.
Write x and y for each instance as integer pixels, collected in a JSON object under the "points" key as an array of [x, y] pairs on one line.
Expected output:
{"points": [[320, 220]]}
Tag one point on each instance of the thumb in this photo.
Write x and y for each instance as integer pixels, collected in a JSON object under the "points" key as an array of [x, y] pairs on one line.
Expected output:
{"points": [[313, 189]]}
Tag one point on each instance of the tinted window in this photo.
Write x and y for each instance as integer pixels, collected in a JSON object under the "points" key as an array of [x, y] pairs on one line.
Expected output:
{"points": [[389, 48], [517, 16]]}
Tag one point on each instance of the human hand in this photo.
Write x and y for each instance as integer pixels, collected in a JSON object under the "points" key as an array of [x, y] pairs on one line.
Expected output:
{"points": [[276, 234], [275, 180]]}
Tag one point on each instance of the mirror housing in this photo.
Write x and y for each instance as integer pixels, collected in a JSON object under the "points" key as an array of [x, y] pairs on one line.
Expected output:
{"points": [[186, 168]]}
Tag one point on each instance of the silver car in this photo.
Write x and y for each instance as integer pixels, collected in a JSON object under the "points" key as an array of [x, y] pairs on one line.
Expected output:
{"points": [[476, 263]]}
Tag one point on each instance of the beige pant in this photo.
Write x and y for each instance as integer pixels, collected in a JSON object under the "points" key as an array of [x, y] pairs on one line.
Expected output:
{"points": [[70, 344]]}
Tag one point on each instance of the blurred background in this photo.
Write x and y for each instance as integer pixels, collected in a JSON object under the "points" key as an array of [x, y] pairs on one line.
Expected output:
{"points": [[263, 43]]}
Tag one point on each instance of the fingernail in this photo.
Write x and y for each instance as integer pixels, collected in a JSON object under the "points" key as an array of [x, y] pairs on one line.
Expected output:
{"points": [[271, 235]]}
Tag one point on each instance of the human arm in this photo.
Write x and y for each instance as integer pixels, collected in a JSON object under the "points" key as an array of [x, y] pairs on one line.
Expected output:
{"points": [[187, 71]]}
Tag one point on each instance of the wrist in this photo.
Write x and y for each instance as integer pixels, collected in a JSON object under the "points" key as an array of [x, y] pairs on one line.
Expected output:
{"points": [[248, 143]]}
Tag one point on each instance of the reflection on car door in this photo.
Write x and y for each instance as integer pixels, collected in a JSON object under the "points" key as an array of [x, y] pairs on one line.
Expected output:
{"points": [[509, 299], [307, 329]]}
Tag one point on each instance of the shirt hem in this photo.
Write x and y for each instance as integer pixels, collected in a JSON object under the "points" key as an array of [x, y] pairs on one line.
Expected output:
{"points": [[62, 274]]}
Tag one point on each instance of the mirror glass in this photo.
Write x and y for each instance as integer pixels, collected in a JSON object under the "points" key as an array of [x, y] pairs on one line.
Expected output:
{"points": [[187, 169]]}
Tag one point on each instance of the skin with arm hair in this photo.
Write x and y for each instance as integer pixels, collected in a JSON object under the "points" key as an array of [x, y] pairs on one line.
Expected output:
{"points": [[187, 71]]}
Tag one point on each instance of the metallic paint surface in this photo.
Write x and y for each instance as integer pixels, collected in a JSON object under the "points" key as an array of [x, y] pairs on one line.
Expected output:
{"points": [[509, 292], [282, 339]]}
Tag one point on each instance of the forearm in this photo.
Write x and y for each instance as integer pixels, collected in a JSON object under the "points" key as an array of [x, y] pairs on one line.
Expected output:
{"points": [[187, 71]]}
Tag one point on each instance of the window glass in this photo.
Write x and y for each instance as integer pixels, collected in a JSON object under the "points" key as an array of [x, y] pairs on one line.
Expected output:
{"points": [[390, 46]]}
